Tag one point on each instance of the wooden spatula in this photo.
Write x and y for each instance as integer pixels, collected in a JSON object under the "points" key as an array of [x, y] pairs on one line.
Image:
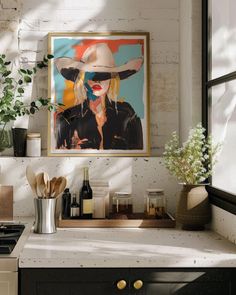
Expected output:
{"points": [[30, 175]]}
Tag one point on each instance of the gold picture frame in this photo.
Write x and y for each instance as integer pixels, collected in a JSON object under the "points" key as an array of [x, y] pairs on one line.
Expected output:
{"points": [[103, 81]]}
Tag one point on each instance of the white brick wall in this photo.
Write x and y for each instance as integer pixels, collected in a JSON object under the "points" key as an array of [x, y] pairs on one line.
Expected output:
{"points": [[124, 174], [10, 4], [24, 25]]}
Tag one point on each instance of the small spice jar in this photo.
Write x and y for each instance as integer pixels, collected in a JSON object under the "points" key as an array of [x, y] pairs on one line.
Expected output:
{"points": [[33, 145], [155, 202], [122, 202]]}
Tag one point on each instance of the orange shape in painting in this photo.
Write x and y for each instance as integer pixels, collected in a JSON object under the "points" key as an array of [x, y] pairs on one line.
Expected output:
{"points": [[68, 94]]}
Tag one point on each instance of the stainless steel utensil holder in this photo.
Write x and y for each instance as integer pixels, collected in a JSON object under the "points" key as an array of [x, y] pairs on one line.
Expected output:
{"points": [[45, 216]]}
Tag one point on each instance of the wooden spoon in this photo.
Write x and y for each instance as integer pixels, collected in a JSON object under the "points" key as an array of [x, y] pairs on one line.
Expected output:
{"points": [[62, 186], [47, 184], [30, 175], [57, 187], [52, 186], [40, 185]]}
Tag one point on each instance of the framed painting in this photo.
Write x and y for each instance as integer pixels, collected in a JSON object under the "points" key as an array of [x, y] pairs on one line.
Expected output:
{"points": [[102, 80]]}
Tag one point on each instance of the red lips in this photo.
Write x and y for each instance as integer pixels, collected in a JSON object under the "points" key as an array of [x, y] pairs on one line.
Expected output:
{"points": [[96, 87]]}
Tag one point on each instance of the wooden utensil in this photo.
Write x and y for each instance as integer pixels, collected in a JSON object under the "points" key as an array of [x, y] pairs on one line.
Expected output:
{"points": [[52, 186], [62, 186], [30, 175], [59, 186], [47, 184], [40, 185]]}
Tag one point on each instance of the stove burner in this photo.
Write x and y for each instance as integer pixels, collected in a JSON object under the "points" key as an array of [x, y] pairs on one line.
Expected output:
{"points": [[9, 235]]}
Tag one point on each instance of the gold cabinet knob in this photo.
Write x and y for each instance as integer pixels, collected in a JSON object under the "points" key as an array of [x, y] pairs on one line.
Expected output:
{"points": [[121, 284], [138, 284]]}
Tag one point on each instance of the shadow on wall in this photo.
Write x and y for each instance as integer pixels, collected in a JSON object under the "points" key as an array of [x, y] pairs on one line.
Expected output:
{"points": [[12, 16]]}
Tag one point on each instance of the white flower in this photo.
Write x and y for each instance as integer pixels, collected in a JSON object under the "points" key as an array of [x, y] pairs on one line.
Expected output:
{"points": [[192, 163]]}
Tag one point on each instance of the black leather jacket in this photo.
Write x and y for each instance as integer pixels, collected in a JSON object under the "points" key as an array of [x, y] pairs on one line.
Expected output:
{"points": [[122, 129]]}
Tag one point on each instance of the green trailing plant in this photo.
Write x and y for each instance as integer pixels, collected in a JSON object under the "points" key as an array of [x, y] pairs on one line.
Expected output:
{"points": [[192, 163], [12, 92]]}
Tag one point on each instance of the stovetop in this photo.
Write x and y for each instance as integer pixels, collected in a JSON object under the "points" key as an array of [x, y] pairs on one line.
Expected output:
{"points": [[9, 235]]}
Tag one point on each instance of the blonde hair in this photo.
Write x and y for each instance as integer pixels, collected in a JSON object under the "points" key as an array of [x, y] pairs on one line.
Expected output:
{"points": [[114, 88], [81, 94]]}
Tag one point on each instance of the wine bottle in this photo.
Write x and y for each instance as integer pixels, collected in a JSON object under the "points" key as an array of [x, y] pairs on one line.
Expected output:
{"points": [[74, 209], [86, 197], [66, 204]]}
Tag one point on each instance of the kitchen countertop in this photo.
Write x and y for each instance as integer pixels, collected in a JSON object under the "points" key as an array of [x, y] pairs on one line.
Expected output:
{"points": [[77, 248], [9, 262]]}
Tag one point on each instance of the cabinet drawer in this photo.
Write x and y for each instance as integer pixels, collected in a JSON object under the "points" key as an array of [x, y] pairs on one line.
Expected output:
{"points": [[75, 288], [183, 281], [139, 281], [73, 281], [201, 288], [181, 275]]}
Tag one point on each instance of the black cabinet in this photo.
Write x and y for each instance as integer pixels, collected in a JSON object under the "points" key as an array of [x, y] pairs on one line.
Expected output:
{"points": [[184, 281], [69, 281], [139, 281]]}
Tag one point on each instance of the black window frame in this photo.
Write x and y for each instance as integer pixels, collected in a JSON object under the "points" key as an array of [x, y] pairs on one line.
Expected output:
{"points": [[220, 198]]}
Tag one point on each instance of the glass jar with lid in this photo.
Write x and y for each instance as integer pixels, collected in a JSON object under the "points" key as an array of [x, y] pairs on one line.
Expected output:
{"points": [[33, 145], [155, 202], [122, 202]]}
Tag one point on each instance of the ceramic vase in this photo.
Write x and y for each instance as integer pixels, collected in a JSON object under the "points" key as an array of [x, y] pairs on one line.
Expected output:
{"points": [[193, 209], [19, 141]]}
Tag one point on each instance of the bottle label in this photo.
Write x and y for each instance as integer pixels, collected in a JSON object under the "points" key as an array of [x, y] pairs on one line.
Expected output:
{"points": [[74, 211], [88, 206]]}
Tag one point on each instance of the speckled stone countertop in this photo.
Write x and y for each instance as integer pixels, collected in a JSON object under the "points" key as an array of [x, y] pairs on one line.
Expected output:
{"points": [[9, 262], [127, 248]]}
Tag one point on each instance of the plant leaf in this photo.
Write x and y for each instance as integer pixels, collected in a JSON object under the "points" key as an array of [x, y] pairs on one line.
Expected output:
{"points": [[27, 79], [7, 73], [29, 72], [23, 71], [20, 90]]}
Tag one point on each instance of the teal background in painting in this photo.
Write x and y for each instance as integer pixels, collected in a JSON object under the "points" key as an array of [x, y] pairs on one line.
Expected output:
{"points": [[131, 89], [62, 47]]}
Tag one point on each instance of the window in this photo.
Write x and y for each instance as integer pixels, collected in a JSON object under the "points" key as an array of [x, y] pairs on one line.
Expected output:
{"points": [[219, 95]]}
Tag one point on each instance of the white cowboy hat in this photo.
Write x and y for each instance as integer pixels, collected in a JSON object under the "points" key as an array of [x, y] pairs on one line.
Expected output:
{"points": [[97, 59]]}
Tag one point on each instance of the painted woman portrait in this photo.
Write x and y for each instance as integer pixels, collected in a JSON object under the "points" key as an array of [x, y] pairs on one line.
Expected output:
{"points": [[98, 118]]}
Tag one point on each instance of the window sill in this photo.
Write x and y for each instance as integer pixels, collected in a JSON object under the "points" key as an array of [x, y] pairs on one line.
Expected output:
{"points": [[222, 199]]}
